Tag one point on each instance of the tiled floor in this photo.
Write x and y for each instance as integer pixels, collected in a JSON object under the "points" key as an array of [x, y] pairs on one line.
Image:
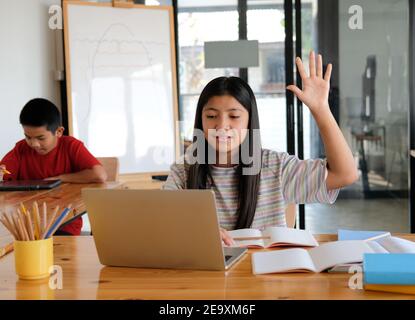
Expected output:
{"points": [[368, 214]]}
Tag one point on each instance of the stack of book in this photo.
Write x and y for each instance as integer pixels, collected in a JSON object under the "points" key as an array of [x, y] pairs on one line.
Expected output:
{"points": [[394, 272]]}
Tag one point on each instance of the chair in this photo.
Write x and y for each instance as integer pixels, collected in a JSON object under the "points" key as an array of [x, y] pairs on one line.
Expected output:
{"points": [[111, 166], [290, 215]]}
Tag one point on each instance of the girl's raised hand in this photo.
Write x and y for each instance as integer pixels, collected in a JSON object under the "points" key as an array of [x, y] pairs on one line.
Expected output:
{"points": [[315, 93]]}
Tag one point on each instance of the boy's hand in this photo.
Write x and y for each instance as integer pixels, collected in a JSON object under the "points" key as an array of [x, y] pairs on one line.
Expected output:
{"points": [[226, 237], [315, 93], [2, 169], [52, 178]]}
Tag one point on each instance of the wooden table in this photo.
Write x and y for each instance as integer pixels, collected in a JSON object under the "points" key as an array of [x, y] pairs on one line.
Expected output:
{"points": [[65, 194], [85, 278]]}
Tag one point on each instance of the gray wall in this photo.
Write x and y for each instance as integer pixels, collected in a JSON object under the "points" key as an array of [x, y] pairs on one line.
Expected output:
{"points": [[28, 59]]}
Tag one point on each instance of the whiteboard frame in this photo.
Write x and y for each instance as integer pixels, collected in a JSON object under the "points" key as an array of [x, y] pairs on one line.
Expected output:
{"points": [[66, 31]]}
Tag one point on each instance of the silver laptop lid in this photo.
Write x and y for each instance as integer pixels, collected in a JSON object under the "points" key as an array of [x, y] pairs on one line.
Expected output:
{"points": [[155, 228]]}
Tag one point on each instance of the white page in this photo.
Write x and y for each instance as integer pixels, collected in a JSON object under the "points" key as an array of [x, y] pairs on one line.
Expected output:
{"points": [[377, 248], [397, 245], [244, 233], [344, 268], [289, 235], [339, 252], [288, 260]]}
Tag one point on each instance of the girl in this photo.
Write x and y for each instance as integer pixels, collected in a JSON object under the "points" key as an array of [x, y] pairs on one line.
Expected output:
{"points": [[227, 116]]}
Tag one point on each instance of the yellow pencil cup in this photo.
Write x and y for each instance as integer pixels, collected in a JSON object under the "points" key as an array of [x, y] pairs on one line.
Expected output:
{"points": [[33, 258]]}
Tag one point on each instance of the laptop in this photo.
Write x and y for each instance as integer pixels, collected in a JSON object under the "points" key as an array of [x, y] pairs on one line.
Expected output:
{"points": [[28, 185], [176, 229]]}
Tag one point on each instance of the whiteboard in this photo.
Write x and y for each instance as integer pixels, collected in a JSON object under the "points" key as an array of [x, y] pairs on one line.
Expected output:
{"points": [[122, 83]]}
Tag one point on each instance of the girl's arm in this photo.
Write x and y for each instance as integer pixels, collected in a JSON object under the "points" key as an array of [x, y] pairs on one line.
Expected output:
{"points": [[342, 170]]}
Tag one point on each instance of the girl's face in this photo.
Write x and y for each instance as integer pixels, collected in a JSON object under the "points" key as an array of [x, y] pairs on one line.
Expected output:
{"points": [[225, 123]]}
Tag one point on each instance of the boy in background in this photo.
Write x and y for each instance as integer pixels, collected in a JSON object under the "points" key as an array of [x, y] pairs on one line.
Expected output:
{"points": [[46, 153]]}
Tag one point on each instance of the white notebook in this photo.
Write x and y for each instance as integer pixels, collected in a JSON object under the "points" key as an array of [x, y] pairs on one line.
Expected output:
{"points": [[316, 259], [387, 244], [276, 237], [392, 245]]}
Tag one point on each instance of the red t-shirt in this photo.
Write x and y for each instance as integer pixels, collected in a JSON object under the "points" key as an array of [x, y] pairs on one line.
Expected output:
{"points": [[69, 156]]}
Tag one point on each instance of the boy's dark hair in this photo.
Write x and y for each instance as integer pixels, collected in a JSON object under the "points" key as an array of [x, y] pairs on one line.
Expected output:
{"points": [[41, 112]]}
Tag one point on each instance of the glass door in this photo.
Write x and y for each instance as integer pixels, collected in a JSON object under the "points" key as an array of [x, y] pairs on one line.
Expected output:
{"points": [[232, 20], [266, 24], [197, 24], [367, 42]]}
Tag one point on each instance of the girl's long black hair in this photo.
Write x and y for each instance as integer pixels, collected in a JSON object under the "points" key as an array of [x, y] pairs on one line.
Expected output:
{"points": [[248, 185]]}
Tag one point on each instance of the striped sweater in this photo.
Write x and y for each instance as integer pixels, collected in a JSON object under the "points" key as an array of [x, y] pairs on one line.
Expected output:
{"points": [[284, 179]]}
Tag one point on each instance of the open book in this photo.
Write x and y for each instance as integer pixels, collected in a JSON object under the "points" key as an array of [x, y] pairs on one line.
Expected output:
{"points": [[273, 237], [317, 259], [326, 255], [392, 245], [386, 244]]}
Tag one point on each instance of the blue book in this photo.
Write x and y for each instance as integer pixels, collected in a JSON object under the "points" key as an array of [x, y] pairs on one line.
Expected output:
{"points": [[389, 268], [344, 234]]}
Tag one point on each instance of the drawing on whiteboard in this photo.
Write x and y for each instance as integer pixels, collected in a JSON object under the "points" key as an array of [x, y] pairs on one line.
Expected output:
{"points": [[116, 49]]}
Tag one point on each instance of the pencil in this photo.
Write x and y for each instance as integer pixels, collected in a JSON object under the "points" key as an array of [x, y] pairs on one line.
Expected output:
{"points": [[52, 219], [22, 221], [36, 219], [45, 214], [30, 226], [13, 224], [9, 222], [23, 208], [57, 222], [17, 227], [23, 229], [5, 250], [7, 225], [21, 224]]}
